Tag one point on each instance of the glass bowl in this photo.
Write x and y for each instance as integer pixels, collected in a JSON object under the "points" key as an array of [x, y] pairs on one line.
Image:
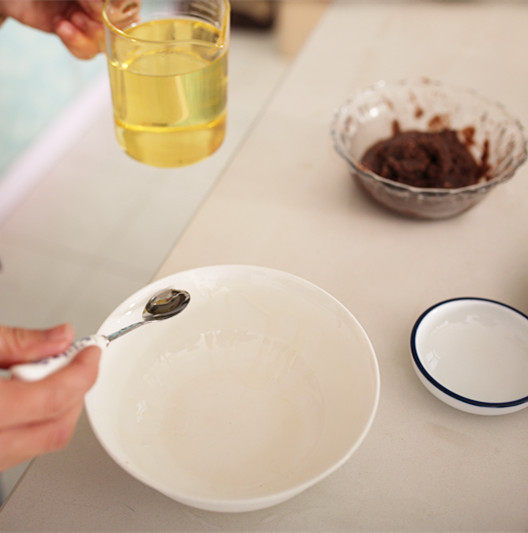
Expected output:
{"points": [[488, 130]]}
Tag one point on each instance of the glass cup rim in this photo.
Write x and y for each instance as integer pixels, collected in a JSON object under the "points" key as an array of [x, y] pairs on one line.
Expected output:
{"points": [[114, 29]]}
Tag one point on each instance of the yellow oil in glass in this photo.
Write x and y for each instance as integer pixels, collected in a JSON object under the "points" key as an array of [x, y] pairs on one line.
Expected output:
{"points": [[170, 99]]}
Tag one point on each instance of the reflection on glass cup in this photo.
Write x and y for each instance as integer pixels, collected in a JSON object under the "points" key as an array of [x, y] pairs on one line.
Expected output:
{"points": [[167, 61]]}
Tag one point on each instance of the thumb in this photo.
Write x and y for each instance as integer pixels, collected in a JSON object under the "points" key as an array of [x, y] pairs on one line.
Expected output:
{"points": [[18, 345]]}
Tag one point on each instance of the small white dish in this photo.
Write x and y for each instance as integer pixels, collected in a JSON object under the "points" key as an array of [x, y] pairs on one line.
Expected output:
{"points": [[260, 388], [472, 353]]}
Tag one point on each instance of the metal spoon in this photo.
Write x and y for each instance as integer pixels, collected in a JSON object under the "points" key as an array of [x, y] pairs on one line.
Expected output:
{"points": [[162, 305]]}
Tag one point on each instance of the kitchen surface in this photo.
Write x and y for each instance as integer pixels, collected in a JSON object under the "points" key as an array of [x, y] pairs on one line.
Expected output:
{"points": [[58, 231], [278, 195]]}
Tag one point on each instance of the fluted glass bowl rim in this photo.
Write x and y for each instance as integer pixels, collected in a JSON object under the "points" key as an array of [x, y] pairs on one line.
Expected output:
{"points": [[480, 187]]}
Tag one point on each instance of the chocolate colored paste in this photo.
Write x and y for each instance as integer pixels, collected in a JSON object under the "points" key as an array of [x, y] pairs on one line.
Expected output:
{"points": [[426, 159]]}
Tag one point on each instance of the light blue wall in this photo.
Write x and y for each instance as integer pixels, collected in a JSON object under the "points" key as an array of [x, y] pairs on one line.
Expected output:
{"points": [[38, 77]]}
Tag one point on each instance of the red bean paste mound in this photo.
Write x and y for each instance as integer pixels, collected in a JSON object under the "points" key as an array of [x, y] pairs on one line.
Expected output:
{"points": [[425, 159]]}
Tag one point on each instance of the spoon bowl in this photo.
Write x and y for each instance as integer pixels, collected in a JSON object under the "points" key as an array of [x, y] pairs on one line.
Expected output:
{"points": [[166, 304]]}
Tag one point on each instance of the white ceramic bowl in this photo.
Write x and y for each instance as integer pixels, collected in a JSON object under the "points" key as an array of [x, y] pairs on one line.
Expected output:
{"points": [[261, 387], [472, 353]]}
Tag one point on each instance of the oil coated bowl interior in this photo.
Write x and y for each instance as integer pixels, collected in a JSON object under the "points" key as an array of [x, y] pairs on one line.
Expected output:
{"points": [[261, 387]]}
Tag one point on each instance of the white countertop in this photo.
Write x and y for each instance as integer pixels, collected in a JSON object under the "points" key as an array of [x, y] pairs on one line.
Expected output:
{"points": [[287, 201]]}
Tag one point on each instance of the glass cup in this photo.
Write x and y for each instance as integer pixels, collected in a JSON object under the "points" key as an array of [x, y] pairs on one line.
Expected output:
{"points": [[167, 61]]}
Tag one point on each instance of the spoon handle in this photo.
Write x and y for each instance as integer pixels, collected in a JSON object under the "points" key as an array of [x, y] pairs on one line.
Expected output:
{"points": [[44, 367]]}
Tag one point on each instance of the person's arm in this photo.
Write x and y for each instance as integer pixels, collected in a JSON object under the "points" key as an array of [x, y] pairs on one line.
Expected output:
{"points": [[40, 417], [77, 23]]}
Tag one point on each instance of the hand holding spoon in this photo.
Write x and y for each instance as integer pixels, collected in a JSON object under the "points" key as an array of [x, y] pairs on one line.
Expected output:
{"points": [[162, 305]]}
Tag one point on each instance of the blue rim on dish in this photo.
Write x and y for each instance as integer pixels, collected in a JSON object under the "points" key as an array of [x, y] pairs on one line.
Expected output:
{"points": [[438, 385]]}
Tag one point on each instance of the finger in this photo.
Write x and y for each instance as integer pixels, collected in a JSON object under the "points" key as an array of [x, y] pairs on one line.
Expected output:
{"points": [[22, 443], [93, 8], [84, 23], [24, 403], [18, 345], [89, 27], [79, 44]]}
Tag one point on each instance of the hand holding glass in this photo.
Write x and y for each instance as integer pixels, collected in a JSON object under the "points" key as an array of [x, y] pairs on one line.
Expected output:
{"points": [[168, 74]]}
